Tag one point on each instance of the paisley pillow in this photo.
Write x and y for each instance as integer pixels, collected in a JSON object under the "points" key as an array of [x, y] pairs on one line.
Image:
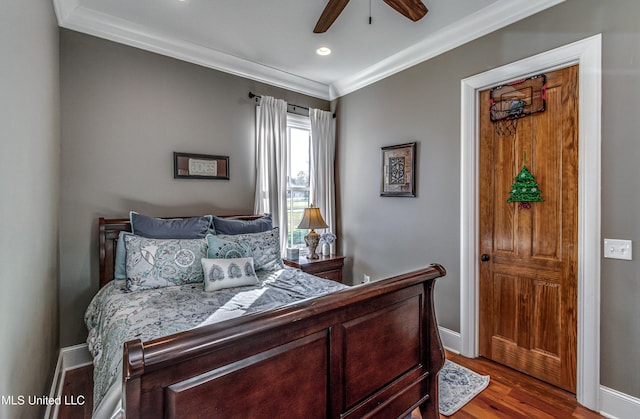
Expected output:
{"points": [[228, 273], [225, 249], [157, 263], [265, 247]]}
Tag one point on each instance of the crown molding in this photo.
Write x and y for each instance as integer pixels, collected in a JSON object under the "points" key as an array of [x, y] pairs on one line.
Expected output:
{"points": [[502, 13], [483, 22], [72, 16]]}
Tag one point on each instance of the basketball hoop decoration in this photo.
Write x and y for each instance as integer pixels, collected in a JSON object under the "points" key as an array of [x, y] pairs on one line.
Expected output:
{"points": [[515, 100], [525, 188]]}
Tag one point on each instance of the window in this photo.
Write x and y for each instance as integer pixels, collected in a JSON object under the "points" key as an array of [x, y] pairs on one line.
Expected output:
{"points": [[298, 171]]}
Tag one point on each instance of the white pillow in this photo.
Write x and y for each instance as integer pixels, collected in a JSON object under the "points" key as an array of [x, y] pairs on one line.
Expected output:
{"points": [[228, 273]]}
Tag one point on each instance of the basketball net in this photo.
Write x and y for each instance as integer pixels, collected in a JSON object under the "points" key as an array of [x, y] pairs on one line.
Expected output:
{"points": [[515, 100]]}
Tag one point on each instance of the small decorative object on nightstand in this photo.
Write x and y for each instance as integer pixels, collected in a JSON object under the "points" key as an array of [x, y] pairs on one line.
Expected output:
{"points": [[312, 219], [293, 253], [327, 240], [327, 267]]}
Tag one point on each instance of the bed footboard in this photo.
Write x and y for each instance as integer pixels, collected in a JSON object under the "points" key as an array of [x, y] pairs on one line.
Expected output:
{"points": [[369, 351]]}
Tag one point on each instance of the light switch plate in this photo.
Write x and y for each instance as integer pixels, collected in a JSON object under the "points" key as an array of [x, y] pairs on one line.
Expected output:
{"points": [[617, 249]]}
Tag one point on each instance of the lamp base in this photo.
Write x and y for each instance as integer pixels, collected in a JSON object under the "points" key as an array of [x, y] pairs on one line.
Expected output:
{"points": [[312, 239]]}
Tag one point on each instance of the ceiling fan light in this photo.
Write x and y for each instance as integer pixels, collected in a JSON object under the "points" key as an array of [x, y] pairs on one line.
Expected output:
{"points": [[323, 51]]}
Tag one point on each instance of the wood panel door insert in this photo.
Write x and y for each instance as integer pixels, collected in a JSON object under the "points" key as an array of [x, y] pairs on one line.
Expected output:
{"points": [[528, 269]]}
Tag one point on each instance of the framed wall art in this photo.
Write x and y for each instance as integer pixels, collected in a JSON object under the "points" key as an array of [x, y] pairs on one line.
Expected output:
{"points": [[200, 166], [398, 170]]}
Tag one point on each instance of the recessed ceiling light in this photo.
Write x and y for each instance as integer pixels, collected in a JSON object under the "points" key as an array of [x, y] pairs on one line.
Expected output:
{"points": [[323, 51]]}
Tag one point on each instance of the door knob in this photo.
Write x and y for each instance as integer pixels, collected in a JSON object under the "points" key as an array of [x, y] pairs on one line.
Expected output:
{"points": [[485, 257]]}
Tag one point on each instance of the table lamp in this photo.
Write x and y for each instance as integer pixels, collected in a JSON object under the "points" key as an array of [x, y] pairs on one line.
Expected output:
{"points": [[312, 219]]}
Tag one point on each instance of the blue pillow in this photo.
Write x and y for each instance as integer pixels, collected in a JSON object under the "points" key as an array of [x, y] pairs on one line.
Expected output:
{"points": [[120, 269], [177, 228], [228, 226]]}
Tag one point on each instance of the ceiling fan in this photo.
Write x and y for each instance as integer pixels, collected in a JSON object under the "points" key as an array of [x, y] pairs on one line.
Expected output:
{"points": [[412, 9]]}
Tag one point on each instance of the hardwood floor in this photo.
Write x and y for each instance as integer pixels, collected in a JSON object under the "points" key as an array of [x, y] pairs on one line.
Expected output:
{"points": [[510, 395], [78, 383]]}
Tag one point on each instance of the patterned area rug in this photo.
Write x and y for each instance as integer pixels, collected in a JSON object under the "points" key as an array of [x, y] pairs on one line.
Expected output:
{"points": [[457, 386]]}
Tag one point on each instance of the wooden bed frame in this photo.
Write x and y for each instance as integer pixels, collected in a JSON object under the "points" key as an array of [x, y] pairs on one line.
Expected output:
{"points": [[370, 351]]}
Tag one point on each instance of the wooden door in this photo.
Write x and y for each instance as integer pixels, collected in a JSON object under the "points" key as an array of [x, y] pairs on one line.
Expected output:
{"points": [[528, 279]]}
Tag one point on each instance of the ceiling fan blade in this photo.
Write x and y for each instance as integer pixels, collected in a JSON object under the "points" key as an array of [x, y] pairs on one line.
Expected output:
{"points": [[412, 9], [330, 13]]}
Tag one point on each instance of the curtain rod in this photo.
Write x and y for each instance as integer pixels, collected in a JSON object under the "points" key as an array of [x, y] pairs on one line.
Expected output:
{"points": [[254, 96]]}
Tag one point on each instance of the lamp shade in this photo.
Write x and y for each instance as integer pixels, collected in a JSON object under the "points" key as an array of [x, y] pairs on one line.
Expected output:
{"points": [[312, 219]]}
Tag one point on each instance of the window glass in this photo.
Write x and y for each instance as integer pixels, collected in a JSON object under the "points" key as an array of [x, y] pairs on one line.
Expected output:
{"points": [[299, 138]]}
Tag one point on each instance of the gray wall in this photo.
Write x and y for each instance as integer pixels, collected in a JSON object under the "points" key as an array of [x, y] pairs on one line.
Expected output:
{"points": [[382, 236], [124, 112], [29, 187]]}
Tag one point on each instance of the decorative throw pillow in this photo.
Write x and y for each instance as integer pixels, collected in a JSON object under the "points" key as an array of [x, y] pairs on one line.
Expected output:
{"points": [[230, 226], [228, 273], [265, 247], [177, 228], [157, 263], [225, 249]]}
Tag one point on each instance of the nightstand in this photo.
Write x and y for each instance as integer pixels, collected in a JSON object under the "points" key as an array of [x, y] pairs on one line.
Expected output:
{"points": [[328, 267]]}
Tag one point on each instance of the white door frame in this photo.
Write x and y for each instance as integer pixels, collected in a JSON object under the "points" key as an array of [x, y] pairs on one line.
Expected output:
{"points": [[587, 54]]}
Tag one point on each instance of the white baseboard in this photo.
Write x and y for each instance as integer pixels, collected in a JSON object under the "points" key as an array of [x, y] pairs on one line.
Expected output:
{"points": [[450, 339], [69, 358], [617, 405], [613, 404]]}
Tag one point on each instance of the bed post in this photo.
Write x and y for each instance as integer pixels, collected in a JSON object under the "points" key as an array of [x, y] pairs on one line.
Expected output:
{"points": [[102, 251], [435, 351], [133, 369]]}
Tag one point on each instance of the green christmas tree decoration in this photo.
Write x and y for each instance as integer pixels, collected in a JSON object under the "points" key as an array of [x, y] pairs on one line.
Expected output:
{"points": [[525, 188]]}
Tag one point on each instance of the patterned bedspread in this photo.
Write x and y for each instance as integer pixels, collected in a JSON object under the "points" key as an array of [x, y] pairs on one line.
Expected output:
{"points": [[115, 316]]}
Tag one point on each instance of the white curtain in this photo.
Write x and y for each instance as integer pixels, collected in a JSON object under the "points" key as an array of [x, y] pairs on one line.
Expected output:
{"points": [[271, 162], [323, 154]]}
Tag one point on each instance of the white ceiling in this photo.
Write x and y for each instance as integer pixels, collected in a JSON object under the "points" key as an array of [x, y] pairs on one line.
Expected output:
{"points": [[273, 41]]}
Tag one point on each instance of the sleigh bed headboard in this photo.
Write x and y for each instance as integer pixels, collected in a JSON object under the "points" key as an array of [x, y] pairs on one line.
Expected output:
{"points": [[108, 231]]}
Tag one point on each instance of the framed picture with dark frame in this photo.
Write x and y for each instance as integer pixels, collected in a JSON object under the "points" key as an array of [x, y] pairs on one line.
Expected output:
{"points": [[200, 166], [399, 170]]}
